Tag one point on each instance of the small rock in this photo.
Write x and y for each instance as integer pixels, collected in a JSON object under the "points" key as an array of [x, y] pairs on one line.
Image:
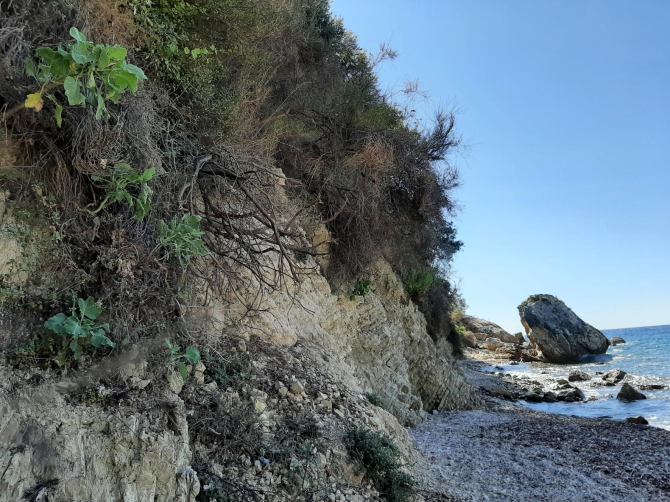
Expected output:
{"points": [[613, 377], [637, 420], [260, 405], [617, 340], [242, 346], [296, 387], [578, 376], [550, 397], [629, 393], [176, 381], [532, 397]]}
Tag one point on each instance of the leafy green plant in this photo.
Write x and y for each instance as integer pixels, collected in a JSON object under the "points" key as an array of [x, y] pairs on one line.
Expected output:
{"points": [[377, 400], [191, 355], [361, 288], [380, 458], [418, 282], [90, 74], [228, 372], [81, 326], [123, 179], [182, 238]]}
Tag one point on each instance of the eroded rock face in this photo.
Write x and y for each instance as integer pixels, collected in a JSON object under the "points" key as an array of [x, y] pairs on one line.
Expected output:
{"points": [[557, 332], [483, 329]]}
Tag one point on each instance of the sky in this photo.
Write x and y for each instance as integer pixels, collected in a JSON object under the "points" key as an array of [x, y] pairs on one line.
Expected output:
{"points": [[565, 109]]}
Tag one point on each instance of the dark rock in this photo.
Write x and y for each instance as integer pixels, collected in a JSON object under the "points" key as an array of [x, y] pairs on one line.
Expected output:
{"points": [[629, 393], [519, 337], [482, 330], [550, 397], [532, 397], [653, 386], [617, 340], [613, 377], [637, 420], [557, 332], [578, 376]]}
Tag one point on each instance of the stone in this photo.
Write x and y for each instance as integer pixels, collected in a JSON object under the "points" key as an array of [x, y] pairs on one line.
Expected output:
{"points": [[617, 340], [259, 405], [482, 329], [613, 377], [637, 420], [493, 343], [578, 376], [176, 381], [242, 346], [550, 397], [557, 332], [629, 393], [469, 340], [296, 387], [532, 397]]}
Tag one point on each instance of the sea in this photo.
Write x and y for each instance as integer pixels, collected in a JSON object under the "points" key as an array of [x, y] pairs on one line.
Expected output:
{"points": [[645, 358]]}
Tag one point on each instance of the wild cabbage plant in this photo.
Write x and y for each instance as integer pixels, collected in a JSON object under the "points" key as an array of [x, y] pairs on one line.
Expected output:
{"points": [[119, 186], [81, 326], [90, 74], [191, 356]]}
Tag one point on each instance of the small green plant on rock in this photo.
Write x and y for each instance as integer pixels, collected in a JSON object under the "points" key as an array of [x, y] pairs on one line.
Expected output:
{"points": [[182, 238], [191, 356], [418, 282], [80, 327], [91, 75], [119, 186], [380, 458], [361, 288]]}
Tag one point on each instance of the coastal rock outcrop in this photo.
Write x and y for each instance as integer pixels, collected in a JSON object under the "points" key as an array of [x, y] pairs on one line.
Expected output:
{"points": [[630, 393], [613, 377], [483, 329], [557, 332], [617, 340]]}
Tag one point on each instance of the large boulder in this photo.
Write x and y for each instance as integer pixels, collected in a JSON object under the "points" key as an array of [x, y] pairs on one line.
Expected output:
{"points": [[557, 332], [486, 329], [629, 393]]}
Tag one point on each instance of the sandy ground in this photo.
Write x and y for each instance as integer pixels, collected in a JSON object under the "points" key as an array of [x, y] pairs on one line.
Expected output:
{"points": [[510, 453]]}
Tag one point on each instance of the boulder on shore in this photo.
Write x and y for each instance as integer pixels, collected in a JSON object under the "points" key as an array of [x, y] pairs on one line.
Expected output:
{"points": [[557, 332], [637, 420], [630, 393], [617, 340], [469, 340], [486, 329]]}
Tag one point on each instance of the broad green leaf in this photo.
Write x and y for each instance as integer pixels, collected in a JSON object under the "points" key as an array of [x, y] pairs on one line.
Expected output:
{"points": [[59, 115], [73, 327], [91, 81], [148, 175], [76, 348], [117, 52], [34, 101], [55, 324], [192, 355], [80, 53], [47, 54], [77, 35], [99, 339], [184, 371], [131, 68], [89, 308], [173, 348], [30, 68], [74, 96], [104, 58], [60, 66], [101, 107]]}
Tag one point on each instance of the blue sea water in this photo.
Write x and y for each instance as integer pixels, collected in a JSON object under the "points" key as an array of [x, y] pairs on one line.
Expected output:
{"points": [[646, 359]]}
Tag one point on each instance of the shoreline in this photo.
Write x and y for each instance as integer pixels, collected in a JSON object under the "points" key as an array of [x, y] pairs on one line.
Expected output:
{"points": [[507, 451]]}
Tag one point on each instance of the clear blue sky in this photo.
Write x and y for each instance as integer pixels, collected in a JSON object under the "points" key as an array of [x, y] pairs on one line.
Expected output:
{"points": [[566, 108]]}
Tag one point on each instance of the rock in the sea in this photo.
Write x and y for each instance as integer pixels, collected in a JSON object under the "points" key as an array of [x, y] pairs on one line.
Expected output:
{"points": [[613, 377], [637, 420], [630, 393], [533, 397], [617, 340], [550, 397], [557, 332], [469, 340], [482, 330], [578, 376]]}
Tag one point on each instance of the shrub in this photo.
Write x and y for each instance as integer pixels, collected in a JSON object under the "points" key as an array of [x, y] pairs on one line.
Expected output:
{"points": [[361, 288], [90, 75], [418, 282], [182, 238], [380, 458], [376, 400], [191, 355], [80, 327], [123, 179]]}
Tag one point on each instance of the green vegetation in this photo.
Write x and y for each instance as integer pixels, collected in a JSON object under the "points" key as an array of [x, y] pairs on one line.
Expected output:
{"points": [[418, 282], [377, 400], [123, 179], [228, 372], [191, 356], [380, 458], [81, 327], [361, 288], [91, 75], [182, 238]]}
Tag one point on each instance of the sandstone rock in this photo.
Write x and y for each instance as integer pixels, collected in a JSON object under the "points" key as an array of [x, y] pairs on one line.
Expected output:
{"points": [[637, 420], [482, 330], [557, 332], [613, 377], [493, 344], [578, 376], [469, 340], [630, 393], [617, 340]]}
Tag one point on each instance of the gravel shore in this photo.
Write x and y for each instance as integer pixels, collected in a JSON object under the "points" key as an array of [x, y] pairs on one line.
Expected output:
{"points": [[510, 453]]}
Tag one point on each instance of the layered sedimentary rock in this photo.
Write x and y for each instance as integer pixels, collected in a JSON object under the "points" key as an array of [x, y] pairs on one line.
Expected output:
{"points": [[483, 329], [557, 332]]}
